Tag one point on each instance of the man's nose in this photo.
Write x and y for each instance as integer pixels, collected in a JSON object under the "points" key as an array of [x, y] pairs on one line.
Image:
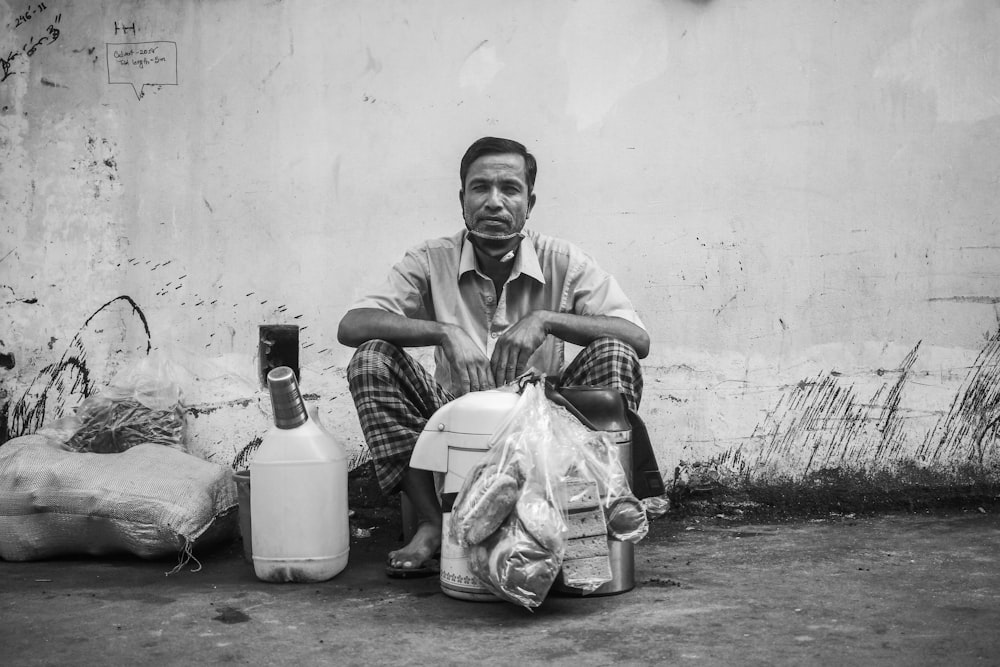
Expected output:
{"points": [[493, 199]]}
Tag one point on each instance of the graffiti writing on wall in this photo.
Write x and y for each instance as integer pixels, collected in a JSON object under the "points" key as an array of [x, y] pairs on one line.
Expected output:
{"points": [[141, 64], [67, 381], [972, 423], [823, 424], [827, 421], [33, 21]]}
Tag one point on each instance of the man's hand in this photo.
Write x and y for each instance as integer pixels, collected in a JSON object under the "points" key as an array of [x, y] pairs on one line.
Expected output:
{"points": [[516, 345], [467, 360]]}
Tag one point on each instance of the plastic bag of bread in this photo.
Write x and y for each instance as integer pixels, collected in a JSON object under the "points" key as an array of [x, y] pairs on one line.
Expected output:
{"points": [[515, 566], [597, 460], [509, 513], [541, 518], [512, 511], [627, 520], [523, 453], [486, 500]]}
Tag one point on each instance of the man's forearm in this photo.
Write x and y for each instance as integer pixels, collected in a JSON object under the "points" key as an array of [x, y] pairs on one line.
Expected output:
{"points": [[582, 329], [364, 324]]}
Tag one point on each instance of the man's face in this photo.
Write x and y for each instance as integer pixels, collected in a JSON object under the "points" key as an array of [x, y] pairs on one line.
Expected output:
{"points": [[496, 202]]}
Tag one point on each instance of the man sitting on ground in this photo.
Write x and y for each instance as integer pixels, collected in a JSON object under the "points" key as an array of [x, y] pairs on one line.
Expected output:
{"points": [[494, 300]]}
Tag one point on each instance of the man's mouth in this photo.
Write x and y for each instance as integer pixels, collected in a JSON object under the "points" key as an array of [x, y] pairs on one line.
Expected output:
{"points": [[493, 228], [495, 221]]}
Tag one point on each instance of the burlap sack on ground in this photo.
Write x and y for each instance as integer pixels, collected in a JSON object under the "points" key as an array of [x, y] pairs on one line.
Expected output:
{"points": [[150, 501]]}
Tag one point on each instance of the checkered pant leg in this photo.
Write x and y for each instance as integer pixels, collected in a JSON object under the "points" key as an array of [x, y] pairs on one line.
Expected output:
{"points": [[607, 362], [394, 396]]}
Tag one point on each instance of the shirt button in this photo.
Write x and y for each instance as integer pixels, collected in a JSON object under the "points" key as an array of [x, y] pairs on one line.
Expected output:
{"points": [[494, 335], [489, 299]]}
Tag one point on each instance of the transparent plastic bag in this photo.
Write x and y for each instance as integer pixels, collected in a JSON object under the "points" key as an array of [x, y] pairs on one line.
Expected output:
{"points": [[487, 500], [142, 404], [522, 452], [599, 501], [508, 513], [513, 512], [656, 506], [598, 461], [514, 565]]}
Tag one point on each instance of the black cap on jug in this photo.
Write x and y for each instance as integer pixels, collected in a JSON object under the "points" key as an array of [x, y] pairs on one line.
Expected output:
{"points": [[286, 399]]}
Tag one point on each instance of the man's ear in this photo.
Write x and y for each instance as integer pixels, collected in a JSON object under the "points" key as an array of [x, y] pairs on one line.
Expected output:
{"points": [[531, 205], [461, 200]]}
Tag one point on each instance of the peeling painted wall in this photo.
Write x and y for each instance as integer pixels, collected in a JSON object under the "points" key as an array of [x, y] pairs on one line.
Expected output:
{"points": [[799, 197]]}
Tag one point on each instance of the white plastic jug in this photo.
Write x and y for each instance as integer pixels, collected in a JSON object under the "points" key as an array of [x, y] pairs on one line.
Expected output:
{"points": [[298, 505]]}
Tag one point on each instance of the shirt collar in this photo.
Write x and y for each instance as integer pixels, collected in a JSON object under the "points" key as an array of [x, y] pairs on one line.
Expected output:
{"points": [[525, 262]]}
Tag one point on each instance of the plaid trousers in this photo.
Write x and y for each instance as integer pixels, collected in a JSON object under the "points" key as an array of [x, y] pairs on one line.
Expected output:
{"points": [[395, 395]]}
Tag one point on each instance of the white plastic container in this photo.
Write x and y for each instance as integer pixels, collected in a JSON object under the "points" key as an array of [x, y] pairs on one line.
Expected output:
{"points": [[453, 441], [298, 506]]}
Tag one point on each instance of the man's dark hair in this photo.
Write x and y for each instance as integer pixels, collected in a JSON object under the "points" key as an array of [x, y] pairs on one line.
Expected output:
{"points": [[495, 146]]}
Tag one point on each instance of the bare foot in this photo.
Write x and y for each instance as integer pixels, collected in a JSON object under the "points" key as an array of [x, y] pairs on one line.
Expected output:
{"points": [[424, 546]]}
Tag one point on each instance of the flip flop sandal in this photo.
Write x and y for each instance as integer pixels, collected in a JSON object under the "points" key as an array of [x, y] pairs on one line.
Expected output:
{"points": [[429, 568]]}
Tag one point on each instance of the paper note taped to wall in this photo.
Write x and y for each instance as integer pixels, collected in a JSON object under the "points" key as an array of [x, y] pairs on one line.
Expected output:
{"points": [[143, 64]]}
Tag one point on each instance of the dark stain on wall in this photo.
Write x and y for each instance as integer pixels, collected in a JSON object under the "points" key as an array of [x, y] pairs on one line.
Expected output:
{"points": [[242, 459], [826, 418], [59, 383], [970, 428], [823, 447]]}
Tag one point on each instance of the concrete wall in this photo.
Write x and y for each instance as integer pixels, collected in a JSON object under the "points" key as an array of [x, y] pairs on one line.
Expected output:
{"points": [[801, 198]]}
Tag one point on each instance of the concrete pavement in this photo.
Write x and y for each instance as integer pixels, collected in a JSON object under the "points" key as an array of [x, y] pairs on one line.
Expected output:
{"points": [[889, 589]]}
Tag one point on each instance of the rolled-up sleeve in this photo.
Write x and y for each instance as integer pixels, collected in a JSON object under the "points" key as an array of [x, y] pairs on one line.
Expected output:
{"points": [[594, 291], [403, 291]]}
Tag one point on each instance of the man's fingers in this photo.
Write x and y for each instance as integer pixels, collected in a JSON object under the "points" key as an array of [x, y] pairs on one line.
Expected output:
{"points": [[511, 368], [465, 379], [488, 377], [516, 362], [504, 364], [477, 377], [522, 361], [476, 382], [483, 378], [497, 365]]}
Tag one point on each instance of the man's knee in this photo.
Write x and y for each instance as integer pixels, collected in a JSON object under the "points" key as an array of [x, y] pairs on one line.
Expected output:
{"points": [[614, 351], [371, 358], [609, 362]]}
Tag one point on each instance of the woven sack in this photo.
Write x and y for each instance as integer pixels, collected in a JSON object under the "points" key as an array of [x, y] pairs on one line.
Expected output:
{"points": [[150, 501]]}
